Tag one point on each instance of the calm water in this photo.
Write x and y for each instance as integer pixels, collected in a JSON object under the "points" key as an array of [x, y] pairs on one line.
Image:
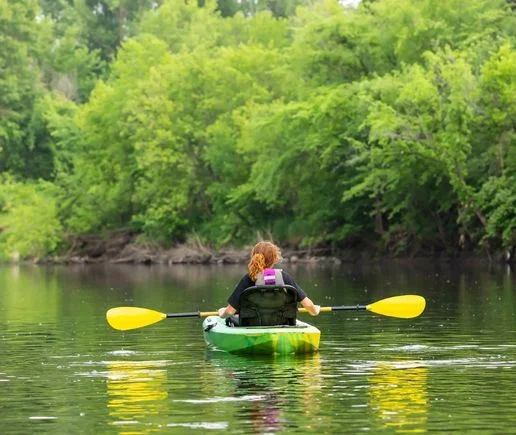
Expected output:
{"points": [[64, 370]]}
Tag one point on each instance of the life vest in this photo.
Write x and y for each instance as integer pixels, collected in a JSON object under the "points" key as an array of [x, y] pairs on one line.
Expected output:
{"points": [[269, 302]]}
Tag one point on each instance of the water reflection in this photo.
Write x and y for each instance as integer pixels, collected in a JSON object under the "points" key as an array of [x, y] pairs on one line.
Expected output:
{"points": [[136, 390], [398, 393], [270, 386], [372, 373]]}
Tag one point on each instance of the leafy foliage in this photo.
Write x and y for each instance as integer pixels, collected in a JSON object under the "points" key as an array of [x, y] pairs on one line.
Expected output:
{"points": [[28, 217], [389, 125]]}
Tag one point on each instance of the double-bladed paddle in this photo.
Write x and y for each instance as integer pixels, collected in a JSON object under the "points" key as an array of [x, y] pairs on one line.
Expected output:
{"points": [[404, 307]]}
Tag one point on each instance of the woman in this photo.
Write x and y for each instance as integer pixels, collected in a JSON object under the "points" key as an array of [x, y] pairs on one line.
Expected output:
{"points": [[264, 255]]}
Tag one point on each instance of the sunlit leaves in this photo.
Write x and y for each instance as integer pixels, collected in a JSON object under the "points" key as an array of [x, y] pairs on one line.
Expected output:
{"points": [[392, 122], [28, 218]]}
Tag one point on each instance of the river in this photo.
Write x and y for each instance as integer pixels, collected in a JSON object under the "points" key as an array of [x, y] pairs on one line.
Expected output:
{"points": [[63, 370]]}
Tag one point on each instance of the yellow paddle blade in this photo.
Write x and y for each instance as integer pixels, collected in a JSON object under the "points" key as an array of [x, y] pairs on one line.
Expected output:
{"points": [[124, 318], [405, 307]]}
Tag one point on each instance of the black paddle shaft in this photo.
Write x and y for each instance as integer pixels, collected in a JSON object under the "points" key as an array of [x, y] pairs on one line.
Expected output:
{"points": [[338, 308], [349, 308], [192, 314]]}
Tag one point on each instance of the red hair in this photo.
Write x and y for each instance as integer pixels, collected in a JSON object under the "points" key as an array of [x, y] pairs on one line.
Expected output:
{"points": [[264, 255]]}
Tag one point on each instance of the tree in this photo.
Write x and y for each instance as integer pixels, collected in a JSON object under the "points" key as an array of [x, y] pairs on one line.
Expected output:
{"points": [[28, 216], [105, 24], [24, 148]]}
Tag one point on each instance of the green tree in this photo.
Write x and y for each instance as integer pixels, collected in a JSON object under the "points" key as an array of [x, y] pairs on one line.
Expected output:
{"points": [[105, 24], [279, 8], [68, 65], [158, 136], [24, 146], [335, 44], [185, 26], [497, 129], [28, 218]]}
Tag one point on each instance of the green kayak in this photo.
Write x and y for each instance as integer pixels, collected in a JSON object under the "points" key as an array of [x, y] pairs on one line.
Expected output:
{"points": [[301, 338]]}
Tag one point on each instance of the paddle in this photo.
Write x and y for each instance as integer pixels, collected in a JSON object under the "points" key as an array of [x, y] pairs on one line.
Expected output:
{"points": [[405, 307]]}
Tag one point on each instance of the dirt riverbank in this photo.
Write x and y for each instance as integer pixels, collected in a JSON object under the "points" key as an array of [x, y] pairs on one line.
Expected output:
{"points": [[123, 247]]}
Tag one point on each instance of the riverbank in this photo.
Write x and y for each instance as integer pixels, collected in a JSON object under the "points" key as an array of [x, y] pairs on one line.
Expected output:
{"points": [[124, 248]]}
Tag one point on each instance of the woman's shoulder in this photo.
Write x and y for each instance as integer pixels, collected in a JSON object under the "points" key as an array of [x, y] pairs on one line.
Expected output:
{"points": [[286, 275]]}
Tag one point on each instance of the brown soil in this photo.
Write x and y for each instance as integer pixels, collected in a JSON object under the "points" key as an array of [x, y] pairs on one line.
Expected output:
{"points": [[122, 247]]}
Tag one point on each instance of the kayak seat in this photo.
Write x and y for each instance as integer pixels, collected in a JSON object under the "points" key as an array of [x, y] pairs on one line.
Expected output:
{"points": [[268, 305]]}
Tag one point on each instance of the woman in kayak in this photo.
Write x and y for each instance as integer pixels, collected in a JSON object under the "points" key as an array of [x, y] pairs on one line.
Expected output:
{"points": [[264, 256]]}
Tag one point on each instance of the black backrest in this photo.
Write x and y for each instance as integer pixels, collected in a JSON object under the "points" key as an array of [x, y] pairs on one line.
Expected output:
{"points": [[268, 305]]}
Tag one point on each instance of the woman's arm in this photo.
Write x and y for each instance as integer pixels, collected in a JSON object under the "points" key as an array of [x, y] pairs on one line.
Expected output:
{"points": [[310, 306], [226, 311]]}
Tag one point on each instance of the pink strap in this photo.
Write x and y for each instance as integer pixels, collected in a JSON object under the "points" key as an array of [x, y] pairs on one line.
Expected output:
{"points": [[269, 276]]}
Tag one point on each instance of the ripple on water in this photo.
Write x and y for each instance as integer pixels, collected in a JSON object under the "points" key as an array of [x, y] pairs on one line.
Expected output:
{"points": [[122, 352], [248, 398], [68, 356], [221, 425], [364, 367], [122, 422], [122, 369], [154, 363], [426, 348]]}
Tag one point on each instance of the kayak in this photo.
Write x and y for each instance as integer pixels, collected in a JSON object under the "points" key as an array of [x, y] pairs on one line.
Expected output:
{"points": [[301, 338]]}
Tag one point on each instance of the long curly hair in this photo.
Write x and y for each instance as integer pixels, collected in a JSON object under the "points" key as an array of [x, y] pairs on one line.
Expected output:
{"points": [[264, 255]]}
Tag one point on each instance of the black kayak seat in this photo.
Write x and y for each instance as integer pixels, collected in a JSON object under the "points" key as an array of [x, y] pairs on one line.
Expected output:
{"points": [[268, 305]]}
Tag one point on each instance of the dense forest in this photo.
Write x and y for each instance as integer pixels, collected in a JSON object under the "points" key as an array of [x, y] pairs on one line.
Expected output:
{"points": [[387, 125]]}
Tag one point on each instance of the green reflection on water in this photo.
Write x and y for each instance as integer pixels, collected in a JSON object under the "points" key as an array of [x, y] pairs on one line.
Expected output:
{"points": [[64, 370], [272, 386]]}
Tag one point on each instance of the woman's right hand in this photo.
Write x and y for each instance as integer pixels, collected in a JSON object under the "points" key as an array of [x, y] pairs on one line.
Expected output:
{"points": [[313, 309]]}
